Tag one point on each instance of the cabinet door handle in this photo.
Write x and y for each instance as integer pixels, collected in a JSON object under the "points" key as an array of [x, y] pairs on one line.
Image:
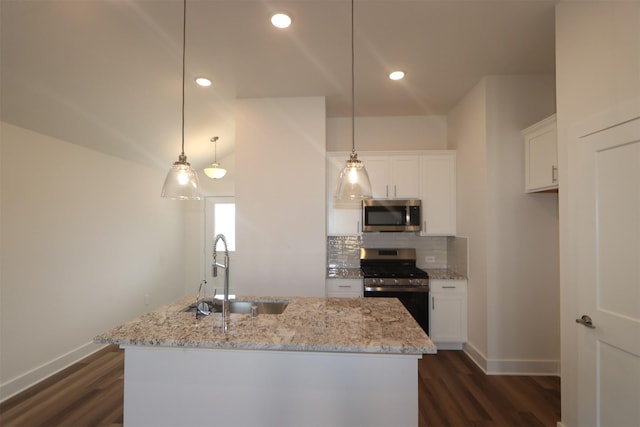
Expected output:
{"points": [[554, 172], [433, 303], [387, 191], [395, 191], [358, 228], [344, 286], [424, 226], [448, 287]]}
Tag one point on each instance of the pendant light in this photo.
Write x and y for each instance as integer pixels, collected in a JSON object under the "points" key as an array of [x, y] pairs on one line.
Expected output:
{"points": [[215, 171], [353, 182], [182, 181]]}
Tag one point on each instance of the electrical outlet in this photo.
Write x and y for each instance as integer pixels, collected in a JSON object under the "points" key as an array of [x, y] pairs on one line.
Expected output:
{"points": [[429, 258]]}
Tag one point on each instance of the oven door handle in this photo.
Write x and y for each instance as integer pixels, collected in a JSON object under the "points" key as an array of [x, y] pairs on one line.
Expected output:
{"points": [[414, 289]]}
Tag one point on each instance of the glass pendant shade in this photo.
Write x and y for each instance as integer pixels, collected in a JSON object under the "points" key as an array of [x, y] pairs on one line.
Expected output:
{"points": [[215, 171], [181, 182], [353, 182]]}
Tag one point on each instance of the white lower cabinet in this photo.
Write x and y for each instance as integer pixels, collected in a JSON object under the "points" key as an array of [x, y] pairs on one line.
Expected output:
{"points": [[448, 313], [344, 288]]}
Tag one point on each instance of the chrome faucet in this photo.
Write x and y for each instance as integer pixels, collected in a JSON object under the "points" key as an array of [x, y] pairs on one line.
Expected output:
{"points": [[225, 265]]}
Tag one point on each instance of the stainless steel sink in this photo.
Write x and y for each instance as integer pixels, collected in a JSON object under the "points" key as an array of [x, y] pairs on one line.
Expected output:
{"points": [[261, 307], [239, 306]]}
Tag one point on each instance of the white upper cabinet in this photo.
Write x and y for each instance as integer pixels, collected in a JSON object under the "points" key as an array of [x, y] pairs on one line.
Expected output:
{"points": [[393, 176], [438, 193], [541, 156], [405, 174]]}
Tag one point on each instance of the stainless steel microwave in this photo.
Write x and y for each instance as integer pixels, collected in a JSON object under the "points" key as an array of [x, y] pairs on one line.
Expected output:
{"points": [[391, 215]]}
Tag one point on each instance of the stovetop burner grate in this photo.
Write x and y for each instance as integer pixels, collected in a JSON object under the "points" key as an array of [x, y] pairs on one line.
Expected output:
{"points": [[394, 272]]}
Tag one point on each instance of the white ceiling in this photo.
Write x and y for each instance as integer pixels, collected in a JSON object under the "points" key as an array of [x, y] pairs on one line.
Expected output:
{"points": [[106, 74]]}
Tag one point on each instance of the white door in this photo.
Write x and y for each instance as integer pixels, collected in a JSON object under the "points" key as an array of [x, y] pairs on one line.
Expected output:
{"points": [[608, 262]]}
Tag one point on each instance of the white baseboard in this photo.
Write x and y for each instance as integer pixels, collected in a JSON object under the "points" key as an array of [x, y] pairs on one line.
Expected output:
{"points": [[476, 356], [512, 366], [34, 376]]}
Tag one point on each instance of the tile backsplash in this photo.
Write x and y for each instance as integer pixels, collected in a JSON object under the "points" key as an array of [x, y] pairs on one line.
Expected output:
{"points": [[431, 252], [457, 255], [343, 251]]}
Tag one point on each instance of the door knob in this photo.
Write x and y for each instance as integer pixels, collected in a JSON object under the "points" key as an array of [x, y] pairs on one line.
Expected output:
{"points": [[586, 321]]}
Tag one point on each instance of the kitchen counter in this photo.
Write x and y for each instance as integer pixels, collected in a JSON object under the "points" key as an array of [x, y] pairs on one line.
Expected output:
{"points": [[356, 273], [344, 273], [347, 325], [444, 274], [323, 361]]}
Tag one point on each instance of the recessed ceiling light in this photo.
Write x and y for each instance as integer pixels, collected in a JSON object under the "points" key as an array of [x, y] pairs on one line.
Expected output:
{"points": [[396, 75], [281, 20], [203, 81]]}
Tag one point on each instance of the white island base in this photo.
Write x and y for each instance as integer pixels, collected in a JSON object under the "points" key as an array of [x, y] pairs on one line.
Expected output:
{"points": [[172, 386]]}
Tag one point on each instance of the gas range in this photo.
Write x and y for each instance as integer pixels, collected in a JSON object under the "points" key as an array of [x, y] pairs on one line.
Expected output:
{"points": [[395, 270]]}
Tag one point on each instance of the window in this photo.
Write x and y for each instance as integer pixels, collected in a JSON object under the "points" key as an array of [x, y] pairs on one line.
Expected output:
{"points": [[224, 222]]}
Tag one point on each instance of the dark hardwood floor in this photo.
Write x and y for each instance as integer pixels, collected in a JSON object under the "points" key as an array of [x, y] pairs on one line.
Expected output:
{"points": [[88, 393], [453, 391]]}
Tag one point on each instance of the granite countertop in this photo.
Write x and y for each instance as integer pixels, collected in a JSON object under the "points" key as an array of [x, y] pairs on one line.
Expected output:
{"points": [[444, 274], [344, 273], [356, 273], [345, 325]]}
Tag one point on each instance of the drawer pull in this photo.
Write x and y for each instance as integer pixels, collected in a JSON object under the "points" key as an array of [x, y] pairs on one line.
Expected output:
{"points": [[448, 287]]}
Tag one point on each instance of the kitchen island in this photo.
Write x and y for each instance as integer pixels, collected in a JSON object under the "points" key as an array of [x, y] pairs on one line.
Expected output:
{"points": [[323, 361]]}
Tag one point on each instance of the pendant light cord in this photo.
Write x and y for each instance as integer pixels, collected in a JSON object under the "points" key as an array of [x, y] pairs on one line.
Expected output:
{"points": [[184, 44], [215, 149], [353, 91]]}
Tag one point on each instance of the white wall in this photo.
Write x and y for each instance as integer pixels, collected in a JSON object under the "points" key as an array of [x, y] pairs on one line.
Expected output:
{"points": [[280, 197], [467, 134], [513, 236], [87, 243], [597, 72], [522, 229], [388, 133]]}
